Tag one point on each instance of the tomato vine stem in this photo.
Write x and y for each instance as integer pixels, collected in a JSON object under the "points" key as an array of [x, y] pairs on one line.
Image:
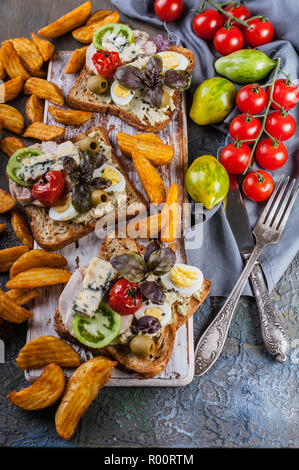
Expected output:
{"points": [[219, 8]]}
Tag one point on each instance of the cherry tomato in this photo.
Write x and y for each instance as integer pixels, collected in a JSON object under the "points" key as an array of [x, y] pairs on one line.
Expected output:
{"points": [[280, 125], [49, 187], [258, 185], [245, 127], [270, 154], [285, 93], [169, 10], [239, 11], [228, 39], [125, 297], [207, 23], [261, 31], [235, 157], [251, 99], [106, 63]]}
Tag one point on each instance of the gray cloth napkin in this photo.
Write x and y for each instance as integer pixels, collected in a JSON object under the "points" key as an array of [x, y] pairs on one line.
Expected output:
{"points": [[218, 256]]}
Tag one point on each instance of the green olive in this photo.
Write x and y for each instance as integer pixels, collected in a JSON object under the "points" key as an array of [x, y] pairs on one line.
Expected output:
{"points": [[97, 84], [165, 99], [99, 197], [88, 144], [142, 346]]}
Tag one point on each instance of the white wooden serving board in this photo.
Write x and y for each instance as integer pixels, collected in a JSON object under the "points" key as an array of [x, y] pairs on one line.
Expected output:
{"points": [[180, 369]]}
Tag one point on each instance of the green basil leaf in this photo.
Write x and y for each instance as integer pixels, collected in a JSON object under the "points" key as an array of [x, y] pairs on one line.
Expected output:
{"points": [[161, 261], [130, 265]]}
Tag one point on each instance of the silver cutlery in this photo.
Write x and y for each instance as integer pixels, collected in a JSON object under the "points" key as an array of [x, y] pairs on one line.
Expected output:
{"points": [[267, 231]]}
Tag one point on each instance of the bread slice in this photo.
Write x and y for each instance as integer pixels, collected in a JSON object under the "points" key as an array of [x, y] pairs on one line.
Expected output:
{"points": [[53, 235], [81, 98], [141, 368]]}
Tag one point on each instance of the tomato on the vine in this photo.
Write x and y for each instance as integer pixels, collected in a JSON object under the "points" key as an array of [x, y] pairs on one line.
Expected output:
{"points": [[251, 99], [280, 125], [258, 185], [238, 11], [285, 93], [260, 31], [271, 154], [169, 10], [228, 39], [207, 23], [245, 127], [235, 157], [125, 297]]}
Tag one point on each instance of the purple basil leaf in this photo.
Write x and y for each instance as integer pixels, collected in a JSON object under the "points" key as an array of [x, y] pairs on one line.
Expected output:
{"points": [[177, 79], [69, 165], [161, 261], [151, 246], [100, 159], [155, 95], [152, 291], [154, 66], [130, 265], [81, 197], [87, 164], [101, 183], [161, 43], [130, 77]]}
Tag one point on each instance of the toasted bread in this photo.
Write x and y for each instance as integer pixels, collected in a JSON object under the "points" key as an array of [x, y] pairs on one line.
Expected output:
{"points": [[53, 235], [81, 98], [141, 368]]}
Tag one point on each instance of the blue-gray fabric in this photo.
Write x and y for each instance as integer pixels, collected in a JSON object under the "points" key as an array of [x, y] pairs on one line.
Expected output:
{"points": [[218, 257]]}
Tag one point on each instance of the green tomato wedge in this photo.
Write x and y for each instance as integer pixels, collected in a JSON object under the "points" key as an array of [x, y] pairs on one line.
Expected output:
{"points": [[100, 330], [117, 29], [15, 163]]}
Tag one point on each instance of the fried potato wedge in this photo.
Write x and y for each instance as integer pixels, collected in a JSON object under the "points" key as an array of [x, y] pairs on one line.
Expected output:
{"points": [[45, 391], [11, 311], [11, 61], [41, 131], [82, 388], [171, 215], [21, 228], [9, 255], [46, 350], [2, 227], [98, 15], [68, 22], [11, 119], [39, 277], [39, 73], [10, 145], [76, 61], [149, 144], [28, 53], [11, 89], [85, 33], [69, 117], [151, 180], [35, 109], [2, 71], [22, 296], [37, 259], [7, 202], [44, 89], [147, 227], [46, 48]]}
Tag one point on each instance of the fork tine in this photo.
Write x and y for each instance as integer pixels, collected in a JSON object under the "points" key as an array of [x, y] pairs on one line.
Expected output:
{"points": [[269, 203], [278, 216], [284, 219], [271, 214]]}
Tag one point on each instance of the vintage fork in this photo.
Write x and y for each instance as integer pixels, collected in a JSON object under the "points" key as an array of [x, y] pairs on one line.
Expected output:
{"points": [[267, 231]]}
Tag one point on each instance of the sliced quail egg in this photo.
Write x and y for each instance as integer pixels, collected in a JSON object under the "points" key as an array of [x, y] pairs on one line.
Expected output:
{"points": [[63, 210], [162, 312], [109, 172], [173, 60], [184, 279], [121, 95]]}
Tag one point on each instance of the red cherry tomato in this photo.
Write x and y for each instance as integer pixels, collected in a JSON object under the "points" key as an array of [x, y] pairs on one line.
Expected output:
{"points": [[49, 187], [106, 63], [125, 297], [240, 11], [280, 125], [207, 23], [285, 93], [228, 39], [235, 157], [251, 99], [245, 127], [258, 185], [271, 155], [261, 31], [169, 10]]}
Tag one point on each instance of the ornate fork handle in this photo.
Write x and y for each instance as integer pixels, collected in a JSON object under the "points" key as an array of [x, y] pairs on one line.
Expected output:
{"points": [[211, 343]]}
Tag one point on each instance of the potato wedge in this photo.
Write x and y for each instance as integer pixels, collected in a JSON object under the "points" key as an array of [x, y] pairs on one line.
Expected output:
{"points": [[11, 119], [147, 227], [76, 61], [9, 255], [41, 131], [82, 388], [22, 296], [2, 227], [45, 391], [171, 215], [149, 144], [11, 311], [2, 71], [11, 89], [42, 73], [21, 228], [151, 180], [11, 61], [39, 277], [68, 22], [69, 117], [85, 33], [28, 53], [7, 202], [98, 15], [34, 109], [10, 145], [46, 48], [45, 350], [37, 259], [44, 89]]}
